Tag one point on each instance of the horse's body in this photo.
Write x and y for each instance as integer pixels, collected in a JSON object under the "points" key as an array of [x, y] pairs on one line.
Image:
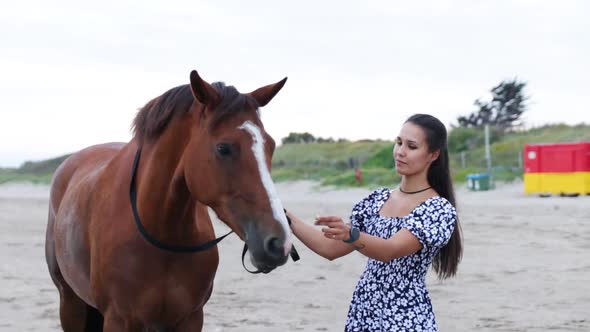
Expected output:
{"points": [[195, 152]]}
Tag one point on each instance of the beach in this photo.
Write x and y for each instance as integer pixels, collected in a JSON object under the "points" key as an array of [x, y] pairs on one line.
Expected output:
{"points": [[526, 267]]}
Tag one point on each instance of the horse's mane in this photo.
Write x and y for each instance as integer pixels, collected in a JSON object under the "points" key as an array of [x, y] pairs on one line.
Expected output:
{"points": [[152, 119]]}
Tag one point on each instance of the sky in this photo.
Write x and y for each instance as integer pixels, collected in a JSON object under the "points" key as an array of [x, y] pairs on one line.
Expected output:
{"points": [[75, 73]]}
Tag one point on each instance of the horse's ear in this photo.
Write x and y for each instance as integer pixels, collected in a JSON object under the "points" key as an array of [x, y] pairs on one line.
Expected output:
{"points": [[265, 94], [202, 90]]}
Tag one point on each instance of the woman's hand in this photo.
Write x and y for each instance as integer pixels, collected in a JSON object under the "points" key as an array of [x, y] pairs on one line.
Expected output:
{"points": [[336, 228], [316, 240]]}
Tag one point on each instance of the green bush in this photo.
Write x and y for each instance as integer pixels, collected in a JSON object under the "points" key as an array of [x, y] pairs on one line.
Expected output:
{"points": [[383, 158]]}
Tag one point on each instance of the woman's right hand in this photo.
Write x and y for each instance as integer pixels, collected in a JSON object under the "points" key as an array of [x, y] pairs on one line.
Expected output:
{"points": [[336, 228]]}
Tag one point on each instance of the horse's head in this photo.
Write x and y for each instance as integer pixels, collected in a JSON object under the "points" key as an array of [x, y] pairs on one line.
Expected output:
{"points": [[227, 167]]}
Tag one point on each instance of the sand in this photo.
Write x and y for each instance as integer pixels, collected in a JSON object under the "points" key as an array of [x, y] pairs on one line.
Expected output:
{"points": [[526, 267]]}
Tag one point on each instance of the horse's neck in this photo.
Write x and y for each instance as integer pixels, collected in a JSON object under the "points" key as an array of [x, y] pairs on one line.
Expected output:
{"points": [[165, 204]]}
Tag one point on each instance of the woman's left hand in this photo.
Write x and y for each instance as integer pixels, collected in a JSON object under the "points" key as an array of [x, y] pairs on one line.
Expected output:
{"points": [[336, 228]]}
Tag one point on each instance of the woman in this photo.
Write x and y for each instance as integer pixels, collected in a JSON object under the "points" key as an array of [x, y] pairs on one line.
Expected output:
{"points": [[402, 231]]}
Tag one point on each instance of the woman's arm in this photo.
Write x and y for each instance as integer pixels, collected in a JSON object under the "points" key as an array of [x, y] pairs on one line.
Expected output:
{"points": [[401, 244], [315, 240]]}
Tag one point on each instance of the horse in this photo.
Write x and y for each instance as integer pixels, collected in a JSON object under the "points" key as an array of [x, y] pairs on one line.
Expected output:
{"points": [[129, 243]]}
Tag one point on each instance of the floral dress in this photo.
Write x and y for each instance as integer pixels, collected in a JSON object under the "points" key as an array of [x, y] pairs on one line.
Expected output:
{"points": [[392, 296]]}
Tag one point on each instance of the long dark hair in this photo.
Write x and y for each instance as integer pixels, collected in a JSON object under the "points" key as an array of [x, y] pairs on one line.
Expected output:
{"points": [[439, 177]]}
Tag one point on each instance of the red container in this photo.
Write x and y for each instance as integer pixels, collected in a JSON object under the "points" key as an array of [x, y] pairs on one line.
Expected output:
{"points": [[557, 158]]}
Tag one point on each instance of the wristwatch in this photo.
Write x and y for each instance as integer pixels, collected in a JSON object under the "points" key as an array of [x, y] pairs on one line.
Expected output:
{"points": [[354, 234]]}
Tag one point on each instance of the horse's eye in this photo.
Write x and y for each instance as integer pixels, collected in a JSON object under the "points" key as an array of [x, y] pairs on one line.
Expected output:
{"points": [[223, 150]]}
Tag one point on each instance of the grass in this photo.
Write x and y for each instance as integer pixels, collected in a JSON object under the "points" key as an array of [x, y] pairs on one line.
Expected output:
{"points": [[35, 172], [8, 175], [334, 163]]}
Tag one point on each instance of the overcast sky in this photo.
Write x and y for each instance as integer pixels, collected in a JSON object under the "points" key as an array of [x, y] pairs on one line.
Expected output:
{"points": [[74, 73]]}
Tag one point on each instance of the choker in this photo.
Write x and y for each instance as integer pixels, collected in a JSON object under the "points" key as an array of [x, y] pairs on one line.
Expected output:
{"points": [[412, 192]]}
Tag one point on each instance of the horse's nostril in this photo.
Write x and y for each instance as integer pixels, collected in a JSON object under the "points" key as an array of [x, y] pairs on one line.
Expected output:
{"points": [[273, 247]]}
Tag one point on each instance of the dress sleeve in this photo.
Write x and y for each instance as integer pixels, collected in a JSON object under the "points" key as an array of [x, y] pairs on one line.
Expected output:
{"points": [[433, 223], [366, 208]]}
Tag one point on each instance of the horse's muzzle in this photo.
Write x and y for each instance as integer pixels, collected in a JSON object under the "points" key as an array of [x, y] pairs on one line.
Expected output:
{"points": [[266, 250]]}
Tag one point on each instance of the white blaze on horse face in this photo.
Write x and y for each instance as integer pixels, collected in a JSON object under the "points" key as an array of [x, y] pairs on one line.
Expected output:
{"points": [[275, 202]]}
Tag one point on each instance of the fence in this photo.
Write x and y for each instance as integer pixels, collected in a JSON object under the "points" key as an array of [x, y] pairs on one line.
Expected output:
{"points": [[505, 165]]}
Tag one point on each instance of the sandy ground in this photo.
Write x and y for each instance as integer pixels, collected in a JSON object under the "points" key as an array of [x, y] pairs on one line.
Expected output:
{"points": [[526, 268]]}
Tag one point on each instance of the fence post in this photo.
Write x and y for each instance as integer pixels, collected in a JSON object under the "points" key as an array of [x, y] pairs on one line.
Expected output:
{"points": [[462, 159], [488, 154]]}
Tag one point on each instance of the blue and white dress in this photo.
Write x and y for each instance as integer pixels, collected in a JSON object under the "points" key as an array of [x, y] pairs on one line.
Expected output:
{"points": [[392, 296]]}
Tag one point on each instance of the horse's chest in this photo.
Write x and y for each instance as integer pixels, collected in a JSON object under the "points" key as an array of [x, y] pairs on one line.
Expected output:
{"points": [[163, 289]]}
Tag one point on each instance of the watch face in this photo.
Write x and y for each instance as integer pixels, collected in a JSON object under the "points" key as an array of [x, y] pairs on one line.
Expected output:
{"points": [[355, 233]]}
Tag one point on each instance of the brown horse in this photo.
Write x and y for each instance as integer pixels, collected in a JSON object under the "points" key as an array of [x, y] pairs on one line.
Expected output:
{"points": [[130, 244]]}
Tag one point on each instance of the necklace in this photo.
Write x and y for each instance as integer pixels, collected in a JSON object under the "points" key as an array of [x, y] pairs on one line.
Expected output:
{"points": [[413, 192]]}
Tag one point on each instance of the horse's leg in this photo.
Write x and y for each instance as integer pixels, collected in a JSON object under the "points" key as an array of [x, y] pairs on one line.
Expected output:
{"points": [[76, 315], [193, 323], [94, 320], [114, 323], [74, 312]]}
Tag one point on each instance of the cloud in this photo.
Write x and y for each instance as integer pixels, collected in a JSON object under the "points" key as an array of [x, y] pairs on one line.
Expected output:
{"points": [[74, 73]]}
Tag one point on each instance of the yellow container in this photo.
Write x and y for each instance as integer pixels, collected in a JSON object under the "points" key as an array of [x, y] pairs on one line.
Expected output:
{"points": [[557, 183]]}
